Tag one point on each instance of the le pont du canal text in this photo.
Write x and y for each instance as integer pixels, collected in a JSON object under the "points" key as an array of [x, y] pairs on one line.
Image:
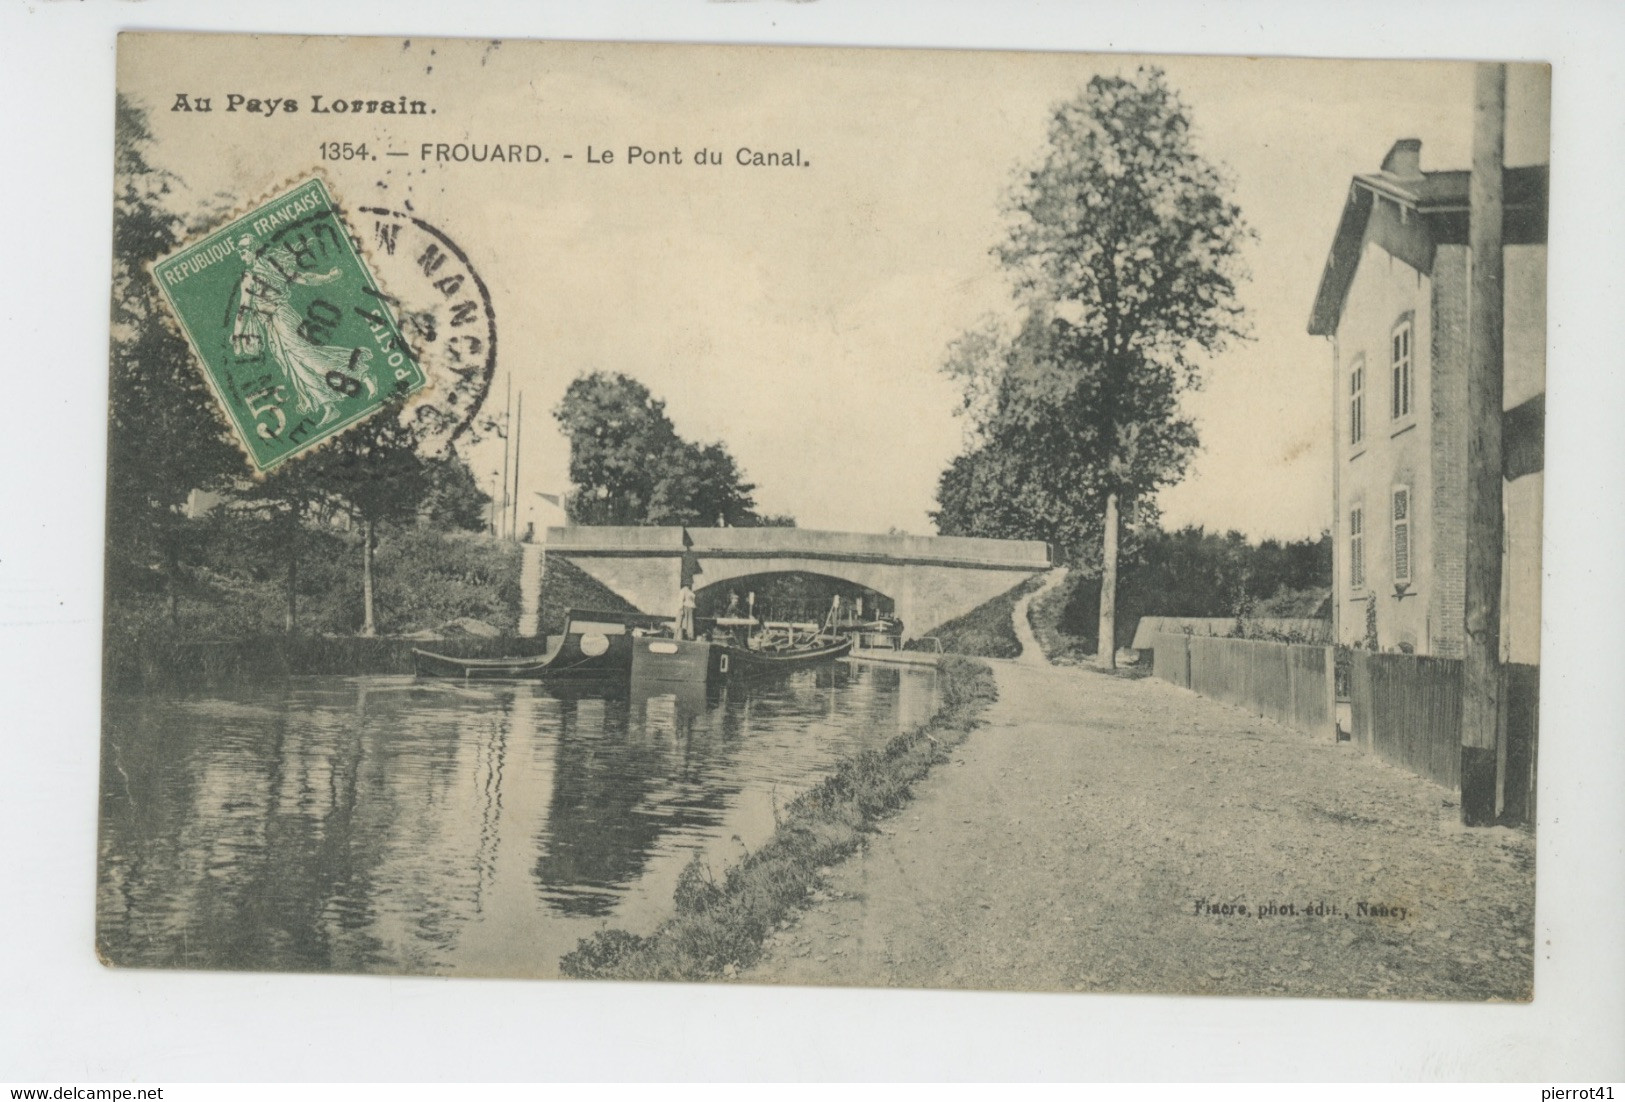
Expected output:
{"points": [[742, 155], [635, 156]]}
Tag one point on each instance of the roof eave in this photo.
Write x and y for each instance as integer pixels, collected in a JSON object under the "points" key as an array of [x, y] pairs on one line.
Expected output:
{"points": [[1340, 261], [1525, 206]]}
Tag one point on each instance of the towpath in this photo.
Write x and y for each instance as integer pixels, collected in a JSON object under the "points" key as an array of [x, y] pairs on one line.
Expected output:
{"points": [[1032, 653], [1071, 842]]}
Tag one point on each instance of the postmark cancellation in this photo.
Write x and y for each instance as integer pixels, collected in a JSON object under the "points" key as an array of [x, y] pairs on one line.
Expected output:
{"points": [[289, 325]]}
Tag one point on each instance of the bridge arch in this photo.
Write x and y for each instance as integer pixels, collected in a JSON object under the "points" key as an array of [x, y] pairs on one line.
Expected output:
{"points": [[930, 579], [791, 594]]}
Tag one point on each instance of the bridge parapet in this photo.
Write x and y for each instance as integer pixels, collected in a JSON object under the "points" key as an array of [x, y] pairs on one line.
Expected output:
{"points": [[632, 539], [966, 551]]}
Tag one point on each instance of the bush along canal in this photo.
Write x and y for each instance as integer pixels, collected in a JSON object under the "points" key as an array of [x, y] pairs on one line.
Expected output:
{"points": [[719, 926]]}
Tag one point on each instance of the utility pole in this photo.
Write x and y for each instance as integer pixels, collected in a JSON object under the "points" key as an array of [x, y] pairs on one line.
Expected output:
{"points": [[1106, 624], [507, 433], [518, 432], [1481, 686]]}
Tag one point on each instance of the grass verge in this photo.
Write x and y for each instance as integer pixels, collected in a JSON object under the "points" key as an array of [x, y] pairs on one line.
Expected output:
{"points": [[1044, 615], [985, 631], [720, 927]]}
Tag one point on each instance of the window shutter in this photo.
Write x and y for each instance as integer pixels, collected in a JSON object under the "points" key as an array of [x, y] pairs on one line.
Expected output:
{"points": [[1357, 402], [1357, 550], [1402, 534]]}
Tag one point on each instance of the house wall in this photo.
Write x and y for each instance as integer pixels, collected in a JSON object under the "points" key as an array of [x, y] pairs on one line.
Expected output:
{"points": [[1524, 331], [1523, 341], [1428, 451], [1520, 579], [1525, 345], [1392, 453]]}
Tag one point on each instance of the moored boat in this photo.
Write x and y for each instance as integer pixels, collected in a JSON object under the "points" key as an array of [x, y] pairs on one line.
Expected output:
{"points": [[594, 646], [739, 648], [750, 662]]}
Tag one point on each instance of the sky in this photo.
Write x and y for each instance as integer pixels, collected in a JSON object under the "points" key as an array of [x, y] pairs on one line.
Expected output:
{"points": [[800, 315]]}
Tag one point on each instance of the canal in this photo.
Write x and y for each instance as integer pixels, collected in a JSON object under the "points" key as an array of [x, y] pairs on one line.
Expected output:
{"points": [[384, 824]]}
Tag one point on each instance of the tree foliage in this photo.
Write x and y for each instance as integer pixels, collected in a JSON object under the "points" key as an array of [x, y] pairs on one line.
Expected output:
{"points": [[1194, 572], [453, 499], [618, 434], [165, 438], [1126, 223], [1125, 251], [701, 485], [1045, 448], [374, 470], [629, 466]]}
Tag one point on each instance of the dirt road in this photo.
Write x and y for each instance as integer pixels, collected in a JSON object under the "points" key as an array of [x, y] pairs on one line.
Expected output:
{"points": [[1032, 652], [1103, 833]]}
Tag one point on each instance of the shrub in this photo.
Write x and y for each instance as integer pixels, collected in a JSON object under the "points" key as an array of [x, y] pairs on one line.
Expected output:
{"points": [[426, 577]]}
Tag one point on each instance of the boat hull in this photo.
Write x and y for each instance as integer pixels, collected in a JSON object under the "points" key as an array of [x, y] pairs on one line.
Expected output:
{"points": [[595, 646], [679, 660], [516, 668], [744, 662]]}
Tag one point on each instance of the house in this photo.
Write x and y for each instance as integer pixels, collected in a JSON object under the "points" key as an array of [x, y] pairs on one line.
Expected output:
{"points": [[1394, 302]]}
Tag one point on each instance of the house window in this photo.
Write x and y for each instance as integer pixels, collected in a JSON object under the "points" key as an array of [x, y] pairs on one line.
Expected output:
{"points": [[1356, 550], [1401, 362], [1402, 535], [1357, 402]]}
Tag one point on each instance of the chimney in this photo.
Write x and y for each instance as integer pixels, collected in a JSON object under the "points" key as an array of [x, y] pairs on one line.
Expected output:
{"points": [[1404, 160]]}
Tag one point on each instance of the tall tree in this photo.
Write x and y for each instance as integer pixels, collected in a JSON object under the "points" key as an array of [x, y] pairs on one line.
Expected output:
{"points": [[1033, 465], [618, 434], [701, 485], [1126, 236], [165, 437], [286, 497], [454, 499], [378, 473], [629, 465]]}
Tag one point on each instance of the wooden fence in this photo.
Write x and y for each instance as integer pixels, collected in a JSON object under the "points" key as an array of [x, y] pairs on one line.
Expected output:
{"points": [[1405, 708], [1287, 682], [1299, 629]]}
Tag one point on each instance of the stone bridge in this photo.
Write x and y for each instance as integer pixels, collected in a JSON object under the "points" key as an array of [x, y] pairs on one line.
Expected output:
{"points": [[930, 579]]}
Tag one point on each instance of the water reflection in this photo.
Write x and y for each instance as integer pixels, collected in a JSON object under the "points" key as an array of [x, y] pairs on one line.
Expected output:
{"points": [[383, 824]]}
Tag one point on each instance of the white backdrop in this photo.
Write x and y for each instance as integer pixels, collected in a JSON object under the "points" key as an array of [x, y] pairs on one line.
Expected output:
{"points": [[64, 1018]]}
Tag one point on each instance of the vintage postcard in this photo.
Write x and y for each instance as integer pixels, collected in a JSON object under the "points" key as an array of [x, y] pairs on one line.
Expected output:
{"points": [[880, 518]]}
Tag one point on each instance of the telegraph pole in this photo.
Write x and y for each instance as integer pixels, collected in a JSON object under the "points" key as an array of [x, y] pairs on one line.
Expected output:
{"points": [[1481, 685], [1106, 624], [507, 443], [518, 432]]}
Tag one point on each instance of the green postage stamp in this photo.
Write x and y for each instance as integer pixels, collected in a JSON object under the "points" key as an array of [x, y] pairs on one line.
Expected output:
{"points": [[293, 334]]}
